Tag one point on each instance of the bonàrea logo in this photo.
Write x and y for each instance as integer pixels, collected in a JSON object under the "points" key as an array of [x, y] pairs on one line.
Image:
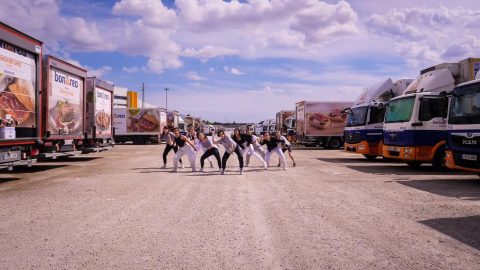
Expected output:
{"points": [[60, 78]]}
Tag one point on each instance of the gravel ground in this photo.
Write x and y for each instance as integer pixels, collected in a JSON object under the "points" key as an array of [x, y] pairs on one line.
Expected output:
{"points": [[335, 210]]}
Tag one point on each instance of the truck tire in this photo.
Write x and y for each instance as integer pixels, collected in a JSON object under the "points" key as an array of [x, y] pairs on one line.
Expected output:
{"points": [[414, 164], [438, 161], [334, 143], [137, 140], [370, 157]]}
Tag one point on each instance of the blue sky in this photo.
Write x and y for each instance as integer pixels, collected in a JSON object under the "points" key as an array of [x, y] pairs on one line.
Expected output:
{"points": [[245, 60]]}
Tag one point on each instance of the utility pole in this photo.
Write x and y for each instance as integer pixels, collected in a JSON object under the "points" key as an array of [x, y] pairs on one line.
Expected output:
{"points": [[143, 95], [166, 98]]}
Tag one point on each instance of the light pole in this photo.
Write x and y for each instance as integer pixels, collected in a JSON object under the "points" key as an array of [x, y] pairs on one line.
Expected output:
{"points": [[166, 98]]}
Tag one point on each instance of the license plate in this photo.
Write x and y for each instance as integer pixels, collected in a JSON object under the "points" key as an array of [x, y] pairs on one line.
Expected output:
{"points": [[394, 148], [469, 157], [68, 142], [6, 156]]}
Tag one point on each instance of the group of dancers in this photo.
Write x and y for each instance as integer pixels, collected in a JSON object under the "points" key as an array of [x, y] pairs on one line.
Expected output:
{"points": [[244, 145]]}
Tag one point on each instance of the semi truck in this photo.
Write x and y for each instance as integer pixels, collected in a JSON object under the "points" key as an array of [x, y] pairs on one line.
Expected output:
{"points": [[415, 128], [99, 118], [267, 125], [285, 122], [364, 128], [63, 108], [140, 126], [321, 123], [20, 84], [463, 127]]}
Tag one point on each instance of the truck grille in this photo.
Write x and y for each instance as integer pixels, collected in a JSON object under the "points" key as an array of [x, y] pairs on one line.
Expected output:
{"points": [[459, 161], [353, 138], [472, 142]]}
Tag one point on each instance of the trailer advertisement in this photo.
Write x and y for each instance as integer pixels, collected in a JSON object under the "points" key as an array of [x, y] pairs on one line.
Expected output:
{"points": [[325, 118], [143, 120], [65, 99], [17, 80], [103, 112]]}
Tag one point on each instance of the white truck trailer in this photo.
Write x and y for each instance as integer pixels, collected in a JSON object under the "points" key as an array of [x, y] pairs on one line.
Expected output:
{"points": [[321, 123], [140, 126]]}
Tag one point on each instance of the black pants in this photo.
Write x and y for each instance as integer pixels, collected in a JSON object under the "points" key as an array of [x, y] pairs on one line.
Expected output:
{"points": [[168, 148], [212, 151], [226, 155]]}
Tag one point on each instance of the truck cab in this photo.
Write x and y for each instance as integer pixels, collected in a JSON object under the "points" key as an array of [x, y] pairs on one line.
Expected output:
{"points": [[415, 123], [364, 127], [463, 128]]}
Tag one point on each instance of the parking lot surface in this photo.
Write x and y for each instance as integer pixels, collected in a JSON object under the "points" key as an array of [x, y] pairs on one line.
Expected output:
{"points": [[335, 210]]}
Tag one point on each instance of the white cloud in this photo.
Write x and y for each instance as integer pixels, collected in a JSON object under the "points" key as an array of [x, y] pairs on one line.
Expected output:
{"points": [[232, 70], [150, 12], [99, 72], [193, 76], [428, 35], [208, 52], [131, 69]]}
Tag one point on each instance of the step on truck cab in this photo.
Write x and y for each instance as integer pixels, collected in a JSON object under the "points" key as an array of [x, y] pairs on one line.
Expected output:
{"points": [[20, 97], [63, 113], [99, 127], [364, 128], [415, 129], [463, 127]]}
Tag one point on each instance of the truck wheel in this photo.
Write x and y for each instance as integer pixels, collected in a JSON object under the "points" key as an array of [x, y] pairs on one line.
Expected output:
{"points": [[137, 140], [414, 164], [439, 159], [334, 143], [370, 157]]}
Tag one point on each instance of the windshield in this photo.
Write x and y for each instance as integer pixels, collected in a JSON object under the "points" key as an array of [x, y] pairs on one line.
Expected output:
{"points": [[465, 105], [400, 110], [357, 116], [377, 115]]}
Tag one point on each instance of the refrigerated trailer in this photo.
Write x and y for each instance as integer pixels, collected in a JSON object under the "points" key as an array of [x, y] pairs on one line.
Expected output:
{"points": [[321, 123], [63, 108], [140, 126], [99, 117], [415, 128], [20, 84]]}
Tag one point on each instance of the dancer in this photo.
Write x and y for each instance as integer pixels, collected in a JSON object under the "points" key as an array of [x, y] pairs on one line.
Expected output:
{"points": [[210, 149], [245, 142], [286, 146], [183, 149], [257, 148], [192, 136], [230, 147], [273, 147], [169, 138]]}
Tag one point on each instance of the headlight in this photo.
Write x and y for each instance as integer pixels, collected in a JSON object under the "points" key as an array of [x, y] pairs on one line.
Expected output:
{"points": [[408, 150], [361, 147]]}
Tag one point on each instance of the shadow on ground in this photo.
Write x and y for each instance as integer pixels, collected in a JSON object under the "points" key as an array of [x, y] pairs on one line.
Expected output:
{"points": [[463, 229], [35, 168], [401, 169], [356, 160], [8, 179], [462, 189], [70, 159]]}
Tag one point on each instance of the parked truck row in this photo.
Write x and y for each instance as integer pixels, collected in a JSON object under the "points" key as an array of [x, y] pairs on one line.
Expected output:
{"points": [[50, 108], [432, 119]]}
